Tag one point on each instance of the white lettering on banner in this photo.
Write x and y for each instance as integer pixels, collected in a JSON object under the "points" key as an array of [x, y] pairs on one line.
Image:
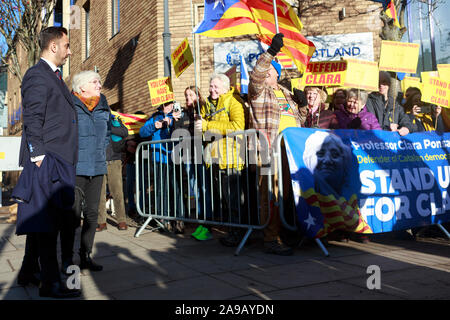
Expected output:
{"points": [[384, 208], [391, 181], [402, 145], [443, 182], [384, 202]]}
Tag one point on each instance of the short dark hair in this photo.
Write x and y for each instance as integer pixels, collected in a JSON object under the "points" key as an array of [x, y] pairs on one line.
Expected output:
{"points": [[50, 34]]}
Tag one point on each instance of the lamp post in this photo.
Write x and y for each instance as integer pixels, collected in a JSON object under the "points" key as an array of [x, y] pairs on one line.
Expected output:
{"points": [[166, 41]]}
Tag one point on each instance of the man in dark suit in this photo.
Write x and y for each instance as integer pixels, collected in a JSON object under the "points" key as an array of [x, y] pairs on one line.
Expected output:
{"points": [[49, 152]]}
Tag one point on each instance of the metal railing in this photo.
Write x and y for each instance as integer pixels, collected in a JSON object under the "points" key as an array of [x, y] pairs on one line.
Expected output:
{"points": [[277, 157], [180, 179]]}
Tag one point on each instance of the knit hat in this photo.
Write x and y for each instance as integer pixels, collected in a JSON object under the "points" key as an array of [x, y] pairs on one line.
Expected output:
{"points": [[277, 67]]}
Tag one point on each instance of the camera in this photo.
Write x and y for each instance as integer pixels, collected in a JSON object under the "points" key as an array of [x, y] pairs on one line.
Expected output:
{"points": [[176, 107]]}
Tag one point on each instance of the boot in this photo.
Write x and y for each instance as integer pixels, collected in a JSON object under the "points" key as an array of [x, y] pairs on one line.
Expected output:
{"points": [[86, 262]]}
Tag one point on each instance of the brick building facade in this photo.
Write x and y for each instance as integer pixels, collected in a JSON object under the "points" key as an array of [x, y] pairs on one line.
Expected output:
{"points": [[129, 58]]}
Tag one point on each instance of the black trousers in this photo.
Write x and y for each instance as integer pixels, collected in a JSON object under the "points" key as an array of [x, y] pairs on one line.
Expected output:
{"points": [[40, 256], [91, 187]]}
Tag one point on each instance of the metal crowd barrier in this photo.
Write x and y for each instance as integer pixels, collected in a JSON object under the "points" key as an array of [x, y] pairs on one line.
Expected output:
{"points": [[171, 172], [277, 158]]}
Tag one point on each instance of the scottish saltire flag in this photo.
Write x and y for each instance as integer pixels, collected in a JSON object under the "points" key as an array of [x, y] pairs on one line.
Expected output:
{"points": [[244, 76], [133, 122], [227, 18], [367, 181]]}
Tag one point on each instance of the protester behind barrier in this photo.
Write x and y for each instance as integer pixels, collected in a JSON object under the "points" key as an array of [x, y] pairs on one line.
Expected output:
{"points": [[223, 114], [424, 117], [160, 127], [381, 183]]}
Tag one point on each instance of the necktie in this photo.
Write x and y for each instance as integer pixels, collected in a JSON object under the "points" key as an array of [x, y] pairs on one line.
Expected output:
{"points": [[58, 74]]}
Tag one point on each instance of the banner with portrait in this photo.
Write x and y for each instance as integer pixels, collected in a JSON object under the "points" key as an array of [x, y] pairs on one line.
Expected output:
{"points": [[368, 181]]}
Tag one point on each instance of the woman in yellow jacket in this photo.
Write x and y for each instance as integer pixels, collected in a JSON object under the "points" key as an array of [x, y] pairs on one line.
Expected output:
{"points": [[222, 115]]}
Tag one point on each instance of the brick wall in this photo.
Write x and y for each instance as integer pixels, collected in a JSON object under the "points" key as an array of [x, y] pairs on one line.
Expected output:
{"points": [[125, 68]]}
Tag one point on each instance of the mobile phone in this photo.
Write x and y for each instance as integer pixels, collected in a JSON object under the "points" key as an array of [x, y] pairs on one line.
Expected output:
{"points": [[425, 109]]}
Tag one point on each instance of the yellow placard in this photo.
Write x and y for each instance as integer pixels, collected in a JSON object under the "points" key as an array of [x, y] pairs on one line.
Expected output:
{"points": [[436, 91], [160, 91], [361, 74], [326, 73], [2, 155], [182, 57], [444, 71], [296, 83], [399, 56], [408, 82], [428, 74]]}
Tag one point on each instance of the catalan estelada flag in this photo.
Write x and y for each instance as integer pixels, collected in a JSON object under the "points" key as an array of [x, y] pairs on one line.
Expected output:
{"points": [[133, 122], [389, 10], [228, 18]]}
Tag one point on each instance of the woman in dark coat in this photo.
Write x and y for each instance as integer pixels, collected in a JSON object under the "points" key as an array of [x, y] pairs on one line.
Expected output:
{"points": [[93, 136], [355, 114]]}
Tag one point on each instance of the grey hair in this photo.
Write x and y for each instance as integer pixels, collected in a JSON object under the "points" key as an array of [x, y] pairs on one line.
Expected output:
{"points": [[314, 143], [82, 78], [223, 78], [360, 95]]}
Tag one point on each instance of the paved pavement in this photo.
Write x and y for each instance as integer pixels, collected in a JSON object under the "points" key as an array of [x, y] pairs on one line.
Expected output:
{"points": [[176, 267]]}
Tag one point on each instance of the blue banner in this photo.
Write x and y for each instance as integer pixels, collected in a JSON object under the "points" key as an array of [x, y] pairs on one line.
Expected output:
{"points": [[368, 181]]}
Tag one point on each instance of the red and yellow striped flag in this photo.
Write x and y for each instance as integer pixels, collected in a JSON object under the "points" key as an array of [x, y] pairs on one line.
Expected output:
{"points": [[392, 13], [339, 214], [133, 122], [229, 18], [296, 46], [285, 61]]}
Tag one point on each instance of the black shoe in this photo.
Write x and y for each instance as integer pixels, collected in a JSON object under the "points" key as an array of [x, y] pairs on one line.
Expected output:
{"points": [[23, 279], [277, 248], [58, 291], [232, 239], [66, 264], [86, 262]]}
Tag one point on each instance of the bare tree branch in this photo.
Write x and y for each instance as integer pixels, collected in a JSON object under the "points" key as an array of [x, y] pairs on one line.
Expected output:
{"points": [[20, 24]]}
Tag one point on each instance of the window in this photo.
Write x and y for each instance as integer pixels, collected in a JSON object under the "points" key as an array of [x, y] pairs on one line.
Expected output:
{"points": [[433, 34], [58, 14], [87, 34], [115, 14]]}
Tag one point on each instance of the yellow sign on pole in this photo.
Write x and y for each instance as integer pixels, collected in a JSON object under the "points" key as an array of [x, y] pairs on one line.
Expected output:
{"points": [[182, 57], [160, 91], [408, 82], [361, 74], [436, 91], [399, 56], [326, 73], [444, 71]]}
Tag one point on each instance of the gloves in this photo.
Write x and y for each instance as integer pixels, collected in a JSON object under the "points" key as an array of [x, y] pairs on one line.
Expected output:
{"points": [[277, 44], [355, 123], [299, 98]]}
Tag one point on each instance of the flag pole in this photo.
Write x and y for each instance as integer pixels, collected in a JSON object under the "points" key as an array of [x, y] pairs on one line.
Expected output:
{"points": [[194, 48], [275, 15]]}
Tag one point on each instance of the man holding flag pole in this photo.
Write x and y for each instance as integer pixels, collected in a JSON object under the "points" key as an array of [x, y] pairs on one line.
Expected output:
{"points": [[272, 109], [272, 21]]}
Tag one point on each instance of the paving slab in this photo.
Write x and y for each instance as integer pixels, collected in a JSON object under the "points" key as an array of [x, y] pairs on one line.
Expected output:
{"points": [[198, 288], [414, 283], [334, 290]]}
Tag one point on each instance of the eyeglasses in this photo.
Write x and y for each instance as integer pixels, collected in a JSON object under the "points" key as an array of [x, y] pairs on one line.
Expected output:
{"points": [[95, 81]]}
